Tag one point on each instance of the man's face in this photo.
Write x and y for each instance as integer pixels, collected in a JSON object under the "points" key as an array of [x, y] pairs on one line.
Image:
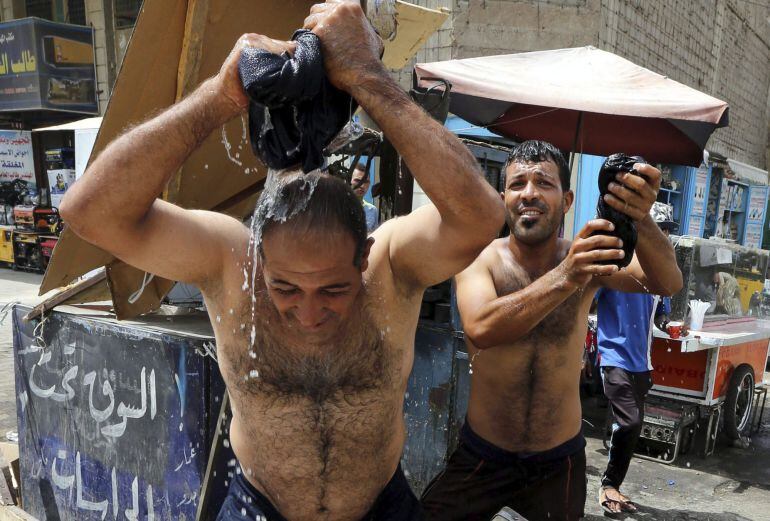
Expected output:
{"points": [[360, 182], [535, 201], [311, 279]]}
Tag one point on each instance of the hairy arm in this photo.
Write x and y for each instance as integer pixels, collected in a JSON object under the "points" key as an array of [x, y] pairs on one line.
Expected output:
{"points": [[435, 242], [490, 320], [116, 207]]}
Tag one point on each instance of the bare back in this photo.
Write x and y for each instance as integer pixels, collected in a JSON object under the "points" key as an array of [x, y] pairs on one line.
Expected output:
{"points": [[319, 432], [524, 395]]}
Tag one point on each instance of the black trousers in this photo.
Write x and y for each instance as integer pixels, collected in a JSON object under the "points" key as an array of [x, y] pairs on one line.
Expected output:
{"points": [[626, 392], [396, 502], [480, 479]]}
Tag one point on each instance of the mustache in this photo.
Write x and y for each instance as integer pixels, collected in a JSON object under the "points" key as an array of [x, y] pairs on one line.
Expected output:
{"points": [[532, 206]]}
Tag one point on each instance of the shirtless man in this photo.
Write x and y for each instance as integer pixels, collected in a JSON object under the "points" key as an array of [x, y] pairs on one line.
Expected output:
{"points": [[524, 305], [317, 374]]}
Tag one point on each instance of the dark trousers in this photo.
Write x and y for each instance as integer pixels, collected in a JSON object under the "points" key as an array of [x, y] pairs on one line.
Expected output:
{"points": [[481, 478], [396, 502], [626, 392]]}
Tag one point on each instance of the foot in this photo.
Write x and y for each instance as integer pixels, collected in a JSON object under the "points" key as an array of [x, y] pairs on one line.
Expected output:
{"points": [[613, 502]]}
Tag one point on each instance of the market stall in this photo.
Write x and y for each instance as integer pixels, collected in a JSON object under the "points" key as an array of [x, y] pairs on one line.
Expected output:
{"points": [[712, 368]]}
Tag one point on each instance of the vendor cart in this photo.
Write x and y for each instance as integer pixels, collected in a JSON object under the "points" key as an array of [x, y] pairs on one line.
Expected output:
{"points": [[711, 379], [713, 375]]}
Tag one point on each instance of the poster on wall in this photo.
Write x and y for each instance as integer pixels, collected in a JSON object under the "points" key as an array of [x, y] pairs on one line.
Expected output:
{"points": [[700, 193], [753, 236], [694, 228], [757, 201], [58, 182], [16, 160]]}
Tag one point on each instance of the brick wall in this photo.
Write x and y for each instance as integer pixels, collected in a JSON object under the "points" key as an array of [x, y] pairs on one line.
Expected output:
{"points": [[721, 47]]}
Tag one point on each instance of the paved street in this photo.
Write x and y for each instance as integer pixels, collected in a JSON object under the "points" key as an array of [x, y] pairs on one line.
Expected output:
{"points": [[15, 286], [730, 485]]}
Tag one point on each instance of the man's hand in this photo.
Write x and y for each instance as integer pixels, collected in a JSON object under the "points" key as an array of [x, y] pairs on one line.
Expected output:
{"points": [[633, 194], [228, 80], [581, 263], [351, 47]]}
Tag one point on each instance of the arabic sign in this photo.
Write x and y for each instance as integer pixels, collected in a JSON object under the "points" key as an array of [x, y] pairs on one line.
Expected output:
{"points": [[112, 420], [16, 160], [47, 66]]}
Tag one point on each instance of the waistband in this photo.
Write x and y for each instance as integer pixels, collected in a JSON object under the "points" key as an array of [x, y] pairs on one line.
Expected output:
{"points": [[392, 493], [491, 452]]}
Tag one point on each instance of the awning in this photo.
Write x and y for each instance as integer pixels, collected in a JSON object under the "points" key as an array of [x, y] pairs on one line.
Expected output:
{"points": [[82, 124]]}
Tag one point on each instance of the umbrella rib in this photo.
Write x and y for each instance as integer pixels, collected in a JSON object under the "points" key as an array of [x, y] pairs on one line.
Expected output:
{"points": [[508, 120]]}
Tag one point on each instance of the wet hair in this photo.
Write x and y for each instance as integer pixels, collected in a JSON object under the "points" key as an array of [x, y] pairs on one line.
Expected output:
{"points": [[314, 201], [536, 151]]}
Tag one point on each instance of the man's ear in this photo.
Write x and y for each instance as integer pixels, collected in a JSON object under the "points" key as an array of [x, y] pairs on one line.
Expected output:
{"points": [[502, 196], [569, 198], [365, 256]]}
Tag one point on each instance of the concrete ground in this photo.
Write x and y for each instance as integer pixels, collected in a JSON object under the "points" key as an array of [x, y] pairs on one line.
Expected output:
{"points": [[731, 485]]}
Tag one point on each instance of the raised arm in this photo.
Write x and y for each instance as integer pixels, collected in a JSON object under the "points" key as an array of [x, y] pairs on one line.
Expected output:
{"points": [[115, 204], [490, 320], [654, 268], [434, 242]]}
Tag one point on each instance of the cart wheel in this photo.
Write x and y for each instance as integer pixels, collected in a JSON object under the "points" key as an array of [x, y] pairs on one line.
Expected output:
{"points": [[739, 402]]}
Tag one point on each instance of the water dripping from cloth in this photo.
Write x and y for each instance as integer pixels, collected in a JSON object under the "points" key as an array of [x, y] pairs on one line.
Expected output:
{"points": [[276, 205]]}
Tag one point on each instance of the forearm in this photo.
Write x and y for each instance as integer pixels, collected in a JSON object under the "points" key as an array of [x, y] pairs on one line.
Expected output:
{"points": [[657, 259], [120, 186], [444, 167], [509, 318]]}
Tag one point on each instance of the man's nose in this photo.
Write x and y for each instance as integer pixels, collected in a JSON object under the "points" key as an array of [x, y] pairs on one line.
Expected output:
{"points": [[309, 313], [530, 192]]}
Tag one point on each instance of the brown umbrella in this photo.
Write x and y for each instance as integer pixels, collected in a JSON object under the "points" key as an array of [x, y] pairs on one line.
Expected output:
{"points": [[582, 99]]}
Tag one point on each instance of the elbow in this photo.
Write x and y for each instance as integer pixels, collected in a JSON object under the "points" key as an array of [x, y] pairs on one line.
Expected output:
{"points": [[674, 286], [72, 211], [479, 336]]}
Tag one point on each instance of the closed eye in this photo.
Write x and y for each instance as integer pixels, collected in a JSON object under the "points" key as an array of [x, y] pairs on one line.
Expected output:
{"points": [[282, 291]]}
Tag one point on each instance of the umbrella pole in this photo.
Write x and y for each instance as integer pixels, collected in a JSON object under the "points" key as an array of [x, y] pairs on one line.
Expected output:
{"points": [[578, 130]]}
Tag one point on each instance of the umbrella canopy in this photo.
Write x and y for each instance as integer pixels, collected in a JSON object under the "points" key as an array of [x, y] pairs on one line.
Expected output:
{"points": [[582, 98]]}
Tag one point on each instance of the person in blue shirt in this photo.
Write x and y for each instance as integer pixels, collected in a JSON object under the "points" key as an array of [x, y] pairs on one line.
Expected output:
{"points": [[624, 336], [359, 181]]}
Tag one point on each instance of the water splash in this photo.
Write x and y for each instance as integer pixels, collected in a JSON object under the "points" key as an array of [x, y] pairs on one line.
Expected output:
{"points": [[645, 288]]}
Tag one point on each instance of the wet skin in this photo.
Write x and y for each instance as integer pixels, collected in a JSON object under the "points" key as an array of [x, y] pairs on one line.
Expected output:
{"points": [[320, 430], [524, 304]]}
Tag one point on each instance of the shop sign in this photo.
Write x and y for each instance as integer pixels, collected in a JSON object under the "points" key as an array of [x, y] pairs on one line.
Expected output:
{"points": [[47, 66], [16, 160]]}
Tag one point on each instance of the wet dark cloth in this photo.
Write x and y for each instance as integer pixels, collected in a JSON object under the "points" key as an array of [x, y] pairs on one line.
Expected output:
{"points": [[481, 478], [294, 111], [626, 392], [624, 225], [396, 502]]}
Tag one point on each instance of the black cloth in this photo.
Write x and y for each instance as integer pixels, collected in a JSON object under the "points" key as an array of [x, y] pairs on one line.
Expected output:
{"points": [[294, 111], [481, 478], [626, 392], [624, 225], [396, 502]]}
